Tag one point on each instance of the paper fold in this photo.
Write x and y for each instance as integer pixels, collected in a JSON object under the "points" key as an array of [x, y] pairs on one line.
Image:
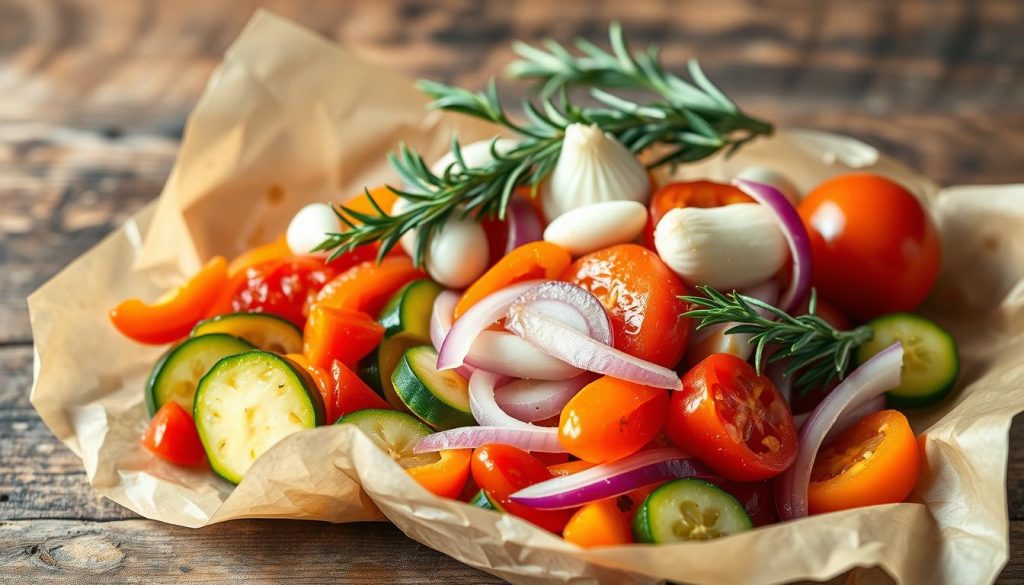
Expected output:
{"points": [[289, 118]]}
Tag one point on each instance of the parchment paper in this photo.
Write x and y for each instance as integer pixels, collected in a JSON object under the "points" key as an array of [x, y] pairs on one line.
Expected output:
{"points": [[289, 118]]}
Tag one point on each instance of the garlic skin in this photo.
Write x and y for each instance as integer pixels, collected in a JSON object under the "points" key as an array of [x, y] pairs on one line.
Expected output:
{"points": [[309, 228], [586, 229], [475, 154], [732, 246], [593, 167], [772, 178], [457, 254]]}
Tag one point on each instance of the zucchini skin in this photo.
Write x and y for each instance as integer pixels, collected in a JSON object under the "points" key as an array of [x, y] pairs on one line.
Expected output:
{"points": [[421, 400], [158, 368]]}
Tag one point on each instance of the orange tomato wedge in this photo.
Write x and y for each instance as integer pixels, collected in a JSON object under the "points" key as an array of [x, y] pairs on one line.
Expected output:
{"points": [[339, 334], [172, 318], [527, 262], [368, 286], [605, 522], [876, 461], [446, 477]]}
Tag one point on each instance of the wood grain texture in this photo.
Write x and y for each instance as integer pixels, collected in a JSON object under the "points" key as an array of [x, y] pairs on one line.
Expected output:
{"points": [[93, 100]]}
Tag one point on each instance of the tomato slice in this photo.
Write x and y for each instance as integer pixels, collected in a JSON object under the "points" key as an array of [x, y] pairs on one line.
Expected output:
{"points": [[642, 298], [171, 319], [172, 436], [605, 522], [609, 419], [285, 287], [502, 470], [368, 286], [339, 334], [876, 461], [689, 194], [446, 477], [732, 419], [527, 262], [350, 393]]}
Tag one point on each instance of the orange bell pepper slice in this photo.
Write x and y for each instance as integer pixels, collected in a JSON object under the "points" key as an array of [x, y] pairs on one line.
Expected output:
{"points": [[384, 197], [276, 250], [446, 477], [527, 262], [339, 334], [171, 318], [368, 286]]}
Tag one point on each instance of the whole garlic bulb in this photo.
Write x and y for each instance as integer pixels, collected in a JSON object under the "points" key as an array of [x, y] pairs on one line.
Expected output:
{"points": [[457, 254], [726, 247], [593, 167], [475, 154], [309, 228]]}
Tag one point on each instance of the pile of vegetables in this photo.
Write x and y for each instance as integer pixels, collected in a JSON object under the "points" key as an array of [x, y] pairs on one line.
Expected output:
{"points": [[535, 326]]}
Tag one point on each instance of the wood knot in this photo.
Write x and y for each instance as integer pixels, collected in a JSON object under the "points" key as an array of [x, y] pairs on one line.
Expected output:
{"points": [[87, 552]]}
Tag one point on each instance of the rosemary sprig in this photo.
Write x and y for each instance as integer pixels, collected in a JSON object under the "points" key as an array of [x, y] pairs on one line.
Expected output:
{"points": [[820, 350], [690, 121]]}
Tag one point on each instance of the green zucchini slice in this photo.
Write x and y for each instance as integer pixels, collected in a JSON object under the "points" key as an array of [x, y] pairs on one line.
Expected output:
{"points": [[688, 509], [395, 433], [176, 374], [440, 399], [266, 332]]}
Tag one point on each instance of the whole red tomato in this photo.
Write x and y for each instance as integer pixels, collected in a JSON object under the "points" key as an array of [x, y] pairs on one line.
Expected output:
{"points": [[642, 298], [874, 248], [733, 420]]}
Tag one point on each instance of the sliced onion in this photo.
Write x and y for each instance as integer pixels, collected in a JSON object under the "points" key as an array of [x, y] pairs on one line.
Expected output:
{"points": [[527, 439], [457, 343], [796, 236], [504, 353], [523, 224], [848, 417], [611, 479], [571, 346], [534, 400], [564, 301], [441, 324], [871, 379]]}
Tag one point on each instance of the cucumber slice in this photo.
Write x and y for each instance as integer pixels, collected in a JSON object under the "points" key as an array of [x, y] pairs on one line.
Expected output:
{"points": [[377, 368], [931, 362], [395, 433], [266, 332], [688, 509], [249, 402], [409, 310], [482, 500], [176, 374], [440, 399]]}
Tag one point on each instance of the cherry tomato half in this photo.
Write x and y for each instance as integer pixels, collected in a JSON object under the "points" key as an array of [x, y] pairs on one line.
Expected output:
{"points": [[735, 421], [874, 248], [285, 287], [702, 194], [502, 470], [172, 436], [610, 418], [876, 461], [642, 298]]}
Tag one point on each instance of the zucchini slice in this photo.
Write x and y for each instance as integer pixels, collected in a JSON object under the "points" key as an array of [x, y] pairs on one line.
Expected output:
{"points": [[931, 362], [440, 399], [249, 402], [395, 433], [482, 500], [266, 332], [688, 509], [176, 374], [377, 368], [409, 310]]}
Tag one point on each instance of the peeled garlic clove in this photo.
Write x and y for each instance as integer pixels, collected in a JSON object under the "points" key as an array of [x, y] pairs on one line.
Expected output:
{"points": [[309, 228], [726, 247], [772, 178], [476, 154], [593, 167], [587, 229], [408, 239], [458, 253]]}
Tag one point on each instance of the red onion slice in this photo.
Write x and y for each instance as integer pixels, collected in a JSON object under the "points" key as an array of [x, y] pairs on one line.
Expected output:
{"points": [[523, 224], [534, 400], [555, 339], [849, 416], [457, 343], [796, 236], [608, 480], [528, 439], [441, 324], [563, 301], [871, 379], [503, 353]]}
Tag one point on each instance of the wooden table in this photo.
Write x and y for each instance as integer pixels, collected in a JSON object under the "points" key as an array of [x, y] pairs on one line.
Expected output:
{"points": [[94, 96]]}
